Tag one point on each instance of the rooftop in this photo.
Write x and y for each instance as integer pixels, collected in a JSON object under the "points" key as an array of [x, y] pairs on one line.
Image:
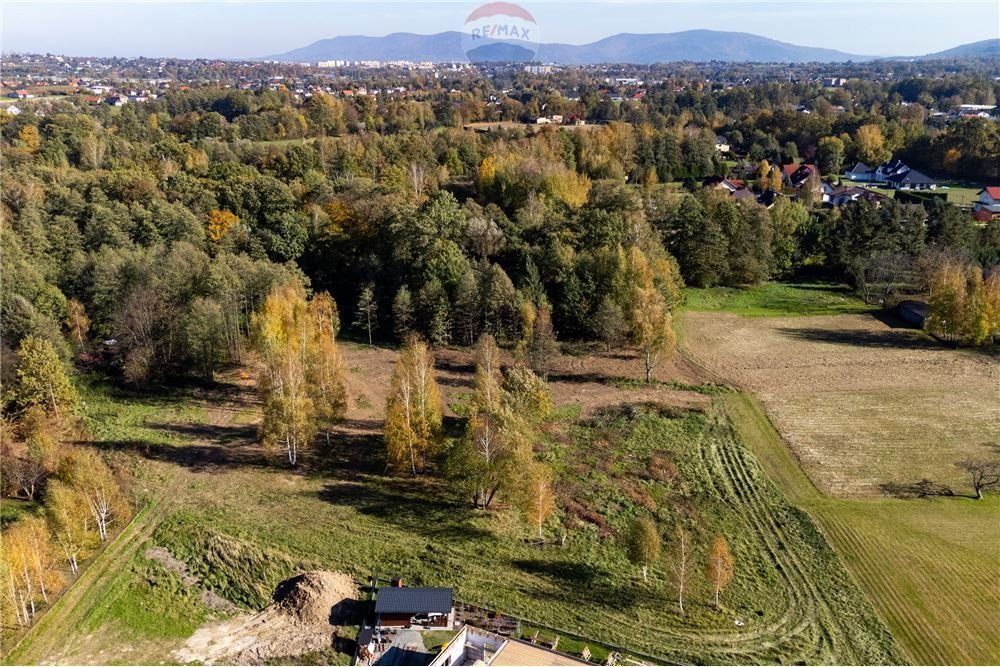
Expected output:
{"points": [[413, 600]]}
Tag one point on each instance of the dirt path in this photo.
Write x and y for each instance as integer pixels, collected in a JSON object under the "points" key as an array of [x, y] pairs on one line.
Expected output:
{"points": [[53, 636]]}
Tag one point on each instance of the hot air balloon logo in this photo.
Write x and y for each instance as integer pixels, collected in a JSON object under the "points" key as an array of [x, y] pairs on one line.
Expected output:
{"points": [[502, 32]]}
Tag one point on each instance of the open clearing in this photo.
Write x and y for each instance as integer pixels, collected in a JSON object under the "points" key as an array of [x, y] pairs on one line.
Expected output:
{"points": [[867, 410], [240, 521], [861, 403]]}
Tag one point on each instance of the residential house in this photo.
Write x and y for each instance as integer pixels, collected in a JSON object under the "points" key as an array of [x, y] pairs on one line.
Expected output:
{"points": [[13, 110], [895, 174], [475, 646], [396, 606], [720, 183], [911, 179], [840, 196], [797, 175], [988, 205], [861, 173], [117, 101], [721, 144]]}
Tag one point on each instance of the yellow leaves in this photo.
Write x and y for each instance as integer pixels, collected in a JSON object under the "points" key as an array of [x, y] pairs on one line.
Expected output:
{"points": [[487, 172], [719, 566], [413, 409], [219, 224], [540, 501], [29, 138], [302, 384], [870, 144], [951, 159], [963, 306], [567, 186]]}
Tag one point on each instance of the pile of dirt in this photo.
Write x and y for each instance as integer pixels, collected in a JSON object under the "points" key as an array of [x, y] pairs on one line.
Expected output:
{"points": [[302, 618], [316, 597]]}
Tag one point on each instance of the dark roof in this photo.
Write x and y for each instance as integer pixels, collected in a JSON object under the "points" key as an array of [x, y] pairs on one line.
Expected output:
{"points": [[861, 168], [410, 600], [911, 176]]}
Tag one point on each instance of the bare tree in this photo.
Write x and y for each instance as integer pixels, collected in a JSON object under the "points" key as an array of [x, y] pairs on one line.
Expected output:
{"points": [[983, 473], [879, 277], [680, 564]]}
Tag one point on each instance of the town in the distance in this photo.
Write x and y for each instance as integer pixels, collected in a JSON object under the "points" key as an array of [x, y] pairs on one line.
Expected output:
{"points": [[375, 354]]}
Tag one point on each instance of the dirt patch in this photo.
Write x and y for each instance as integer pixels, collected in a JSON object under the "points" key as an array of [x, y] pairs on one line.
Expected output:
{"points": [[304, 617]]}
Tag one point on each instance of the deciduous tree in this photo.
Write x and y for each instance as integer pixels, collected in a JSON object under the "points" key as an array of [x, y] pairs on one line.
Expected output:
{"points": [[719, 567], [643, 544], [413, 409]]}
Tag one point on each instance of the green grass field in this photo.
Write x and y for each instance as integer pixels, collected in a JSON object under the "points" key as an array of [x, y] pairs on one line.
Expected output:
{"points": [[776, 299], [242, 522], [959, 195], [931, 566]]}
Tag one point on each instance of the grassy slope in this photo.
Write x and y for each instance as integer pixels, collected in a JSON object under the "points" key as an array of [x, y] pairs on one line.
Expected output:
{"points": [[931, 566], [242, 523], [776, 300]]}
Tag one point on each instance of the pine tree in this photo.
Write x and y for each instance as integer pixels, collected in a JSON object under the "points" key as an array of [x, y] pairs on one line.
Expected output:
{"points": [[402, 313], [366, 314]]}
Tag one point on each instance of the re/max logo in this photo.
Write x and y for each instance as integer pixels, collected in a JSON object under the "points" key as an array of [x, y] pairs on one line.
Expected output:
{"points": [[501, 31]]}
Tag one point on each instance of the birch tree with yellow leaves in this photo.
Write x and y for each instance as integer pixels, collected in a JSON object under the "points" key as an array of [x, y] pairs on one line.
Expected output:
{"points": [[413, 409]]}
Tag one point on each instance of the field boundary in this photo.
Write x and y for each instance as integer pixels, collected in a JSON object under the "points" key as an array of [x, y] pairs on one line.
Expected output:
{"points": [[123, 546]]}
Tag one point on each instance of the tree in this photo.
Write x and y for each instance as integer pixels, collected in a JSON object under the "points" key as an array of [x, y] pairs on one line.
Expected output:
{"points": [[643, 544], [870, 144], [983, 473], [652, 328], [219, 224], [30, 561], [413, 409], [325, 371], [77, 322], [42, 378], [85, 471], [542, 347], [282, 337], [719, 567], [539, 501], [830, 155], [366, 314], [609, 323], [204, 335], [70, 521], [402, 313], [680, 565]]}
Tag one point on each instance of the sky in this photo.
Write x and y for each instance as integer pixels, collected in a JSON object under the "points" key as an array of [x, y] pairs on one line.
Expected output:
{"points": [[251, 28]]}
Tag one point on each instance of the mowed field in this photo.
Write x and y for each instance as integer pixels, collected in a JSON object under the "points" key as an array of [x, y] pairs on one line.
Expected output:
{"points": [[868, 409], [241, 521]]}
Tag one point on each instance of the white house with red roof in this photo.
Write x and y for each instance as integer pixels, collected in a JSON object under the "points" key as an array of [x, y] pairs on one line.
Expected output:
{"points": [[989, 202]]}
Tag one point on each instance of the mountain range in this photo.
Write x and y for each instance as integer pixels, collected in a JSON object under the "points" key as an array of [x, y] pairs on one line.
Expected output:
{"points": [[640, 49]]}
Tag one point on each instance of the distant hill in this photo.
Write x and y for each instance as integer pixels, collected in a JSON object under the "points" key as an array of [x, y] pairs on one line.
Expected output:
{"points": [[988, 48], [691, 45]]}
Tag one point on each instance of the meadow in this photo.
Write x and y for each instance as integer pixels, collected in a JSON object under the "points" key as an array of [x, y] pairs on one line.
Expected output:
{"points": [[854, 413], [241, 521]]}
